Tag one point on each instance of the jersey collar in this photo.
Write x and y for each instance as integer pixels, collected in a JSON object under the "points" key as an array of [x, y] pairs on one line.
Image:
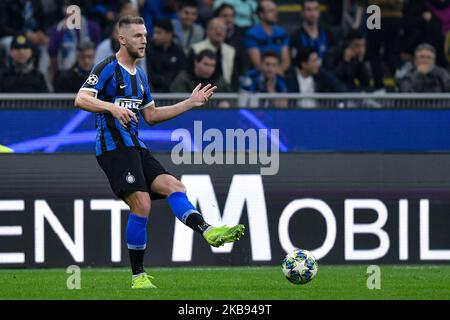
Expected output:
{"points": [[128, 70]]}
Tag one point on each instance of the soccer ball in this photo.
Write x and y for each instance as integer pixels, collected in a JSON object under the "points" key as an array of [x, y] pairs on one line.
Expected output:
{"points": [[300, 266]]}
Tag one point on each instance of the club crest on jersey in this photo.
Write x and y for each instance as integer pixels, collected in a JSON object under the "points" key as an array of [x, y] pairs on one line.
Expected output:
{"points": [[92, 80], [130, 178], [128, 103]]}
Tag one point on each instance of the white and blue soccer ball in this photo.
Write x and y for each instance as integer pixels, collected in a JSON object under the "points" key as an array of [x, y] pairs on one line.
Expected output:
{"points": [[300, 266]]}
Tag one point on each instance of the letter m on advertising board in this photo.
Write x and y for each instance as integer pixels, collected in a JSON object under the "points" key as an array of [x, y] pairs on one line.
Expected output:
{"points": [[246, 191]]}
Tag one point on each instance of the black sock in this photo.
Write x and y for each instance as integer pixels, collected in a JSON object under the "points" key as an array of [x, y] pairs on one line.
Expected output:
{"points": [[137, 261], [196, 222]]}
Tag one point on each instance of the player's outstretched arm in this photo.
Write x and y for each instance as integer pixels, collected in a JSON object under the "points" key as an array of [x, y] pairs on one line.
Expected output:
{"points": [[86, 100], [198, 98]]}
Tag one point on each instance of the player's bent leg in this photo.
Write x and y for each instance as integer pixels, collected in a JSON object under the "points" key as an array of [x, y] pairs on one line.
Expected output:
{"points": [[165, 184], [175, 192], [189, 215], [136, 235]]}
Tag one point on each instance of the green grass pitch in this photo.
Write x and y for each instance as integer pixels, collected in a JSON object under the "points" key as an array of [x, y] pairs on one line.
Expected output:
{"points": [[255, 283]]}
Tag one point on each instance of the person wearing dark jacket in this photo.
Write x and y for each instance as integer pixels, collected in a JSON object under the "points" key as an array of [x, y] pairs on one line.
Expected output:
{"points": [[203, 71], [23, 17], [425, 76], [164, 58], [307, 77], [21, 75], [71, 80], [312, 33], [352, 67], [307, 65]]}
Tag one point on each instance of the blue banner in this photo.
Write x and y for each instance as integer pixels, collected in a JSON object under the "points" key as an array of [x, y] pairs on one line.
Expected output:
{"points": [[300, 130]]}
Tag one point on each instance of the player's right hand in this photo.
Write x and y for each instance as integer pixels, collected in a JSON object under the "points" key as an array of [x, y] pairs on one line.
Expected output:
{"points": [[123, 115]]}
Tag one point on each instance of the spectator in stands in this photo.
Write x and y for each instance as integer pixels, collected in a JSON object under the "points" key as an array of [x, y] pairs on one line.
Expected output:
{"points": [[216, 33], [440, 9], [71, 80], [235, 37], [21, 74], [205, 11], [420, 25], [164, 58], [353, 69], [187, 32], [64, 41], [245, 11], [386, 39], [154, 10], [202, 71], [308, 77], [22, 17], [312, 34], [266, 80], [426, 76], [267, 36]]}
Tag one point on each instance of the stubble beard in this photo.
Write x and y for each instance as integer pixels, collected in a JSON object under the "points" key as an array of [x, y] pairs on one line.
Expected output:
{"points": [[134, 54]]}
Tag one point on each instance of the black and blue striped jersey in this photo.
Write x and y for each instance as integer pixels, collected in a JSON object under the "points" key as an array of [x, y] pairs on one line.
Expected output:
{"points": [[114, 83]]}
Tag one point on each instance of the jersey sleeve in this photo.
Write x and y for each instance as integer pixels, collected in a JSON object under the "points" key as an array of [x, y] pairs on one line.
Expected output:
{"points": [[148, 98], [97, 78]]}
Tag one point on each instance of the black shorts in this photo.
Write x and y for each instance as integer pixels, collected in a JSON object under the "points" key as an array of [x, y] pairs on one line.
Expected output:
{"points": [[131, 169]]}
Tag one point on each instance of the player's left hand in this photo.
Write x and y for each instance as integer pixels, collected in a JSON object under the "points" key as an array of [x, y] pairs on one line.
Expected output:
{"points": [[201, 95]]}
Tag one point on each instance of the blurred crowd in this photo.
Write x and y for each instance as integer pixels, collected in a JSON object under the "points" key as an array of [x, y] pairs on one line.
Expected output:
{"points": [[240, 45]]}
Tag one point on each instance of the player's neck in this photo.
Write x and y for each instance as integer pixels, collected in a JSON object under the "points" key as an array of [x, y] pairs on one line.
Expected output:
{"points": [[126, 61]]}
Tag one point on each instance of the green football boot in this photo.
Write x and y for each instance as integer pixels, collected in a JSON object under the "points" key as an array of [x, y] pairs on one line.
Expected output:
{"points": [[142, 281], [217, 236]]}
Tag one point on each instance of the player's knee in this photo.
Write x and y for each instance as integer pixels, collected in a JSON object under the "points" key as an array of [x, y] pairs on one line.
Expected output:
{"points": [[141, 205], [142, 208]]}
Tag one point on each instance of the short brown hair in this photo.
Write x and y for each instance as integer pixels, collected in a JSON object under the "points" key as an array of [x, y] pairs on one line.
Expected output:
{"points": [[127, 20], [270, 54]]}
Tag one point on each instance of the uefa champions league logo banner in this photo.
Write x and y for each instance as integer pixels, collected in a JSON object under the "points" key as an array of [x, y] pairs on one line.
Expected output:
{"points": [[359, 130], [57, 210]]}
